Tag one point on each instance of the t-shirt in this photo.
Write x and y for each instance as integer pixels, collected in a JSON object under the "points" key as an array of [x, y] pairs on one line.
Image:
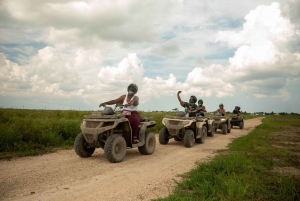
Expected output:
{"points": [[235, 112], [190, 106]]}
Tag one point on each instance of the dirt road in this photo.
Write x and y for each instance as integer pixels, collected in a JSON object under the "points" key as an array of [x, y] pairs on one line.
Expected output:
{"points": [[65, 176]]}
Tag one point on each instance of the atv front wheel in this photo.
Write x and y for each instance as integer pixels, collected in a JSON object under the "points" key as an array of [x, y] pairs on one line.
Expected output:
{"points": [[115, 148], [224, 129], [150, 144], [163, 137], [188, 138], [81, 147], [201, 140], [213, 130], [241, 125]]}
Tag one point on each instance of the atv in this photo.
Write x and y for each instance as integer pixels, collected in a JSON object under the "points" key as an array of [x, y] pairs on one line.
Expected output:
{"points": [[221, 122], [237, 120], [111, 131], [186, 129]]}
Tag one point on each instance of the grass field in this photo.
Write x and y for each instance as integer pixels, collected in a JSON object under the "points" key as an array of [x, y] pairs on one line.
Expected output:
{"points": [[264, 165]]}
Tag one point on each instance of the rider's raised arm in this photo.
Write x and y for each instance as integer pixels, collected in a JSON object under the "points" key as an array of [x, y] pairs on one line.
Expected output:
{"points": [[179, 99], [115, 101]]}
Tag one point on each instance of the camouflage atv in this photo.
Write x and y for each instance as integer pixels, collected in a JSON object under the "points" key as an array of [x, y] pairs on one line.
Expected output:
{"points": [[237, 120], [111, 131], [222, 122], [188, 129]]}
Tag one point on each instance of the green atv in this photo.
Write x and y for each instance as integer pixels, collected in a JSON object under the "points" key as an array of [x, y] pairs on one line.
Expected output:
{"points": [[222, 123], [186, 129], [237, 120], [111, 131]]}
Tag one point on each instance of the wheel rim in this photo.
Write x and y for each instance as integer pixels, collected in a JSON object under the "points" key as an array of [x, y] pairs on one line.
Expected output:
{"points": [[191, 139], [118, 149], [151, 143]]}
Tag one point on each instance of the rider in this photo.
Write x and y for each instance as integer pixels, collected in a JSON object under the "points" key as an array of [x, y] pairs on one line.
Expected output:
{"points": [[201, 107], [191, 105], [221, 109], [130, 102], [236, 110]]}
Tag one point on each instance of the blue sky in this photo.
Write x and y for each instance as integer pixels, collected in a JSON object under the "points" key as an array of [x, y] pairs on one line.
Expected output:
{"points": [[76, 54]]}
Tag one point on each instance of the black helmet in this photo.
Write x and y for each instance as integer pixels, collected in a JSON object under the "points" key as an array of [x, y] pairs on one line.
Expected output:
{"points": [[194, 98], [200, 101], [221, 104], [236, 107], [134, 87]]}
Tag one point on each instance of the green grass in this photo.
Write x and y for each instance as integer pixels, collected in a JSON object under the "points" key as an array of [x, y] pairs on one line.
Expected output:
{"points": [[32, 132], [243, 171]]}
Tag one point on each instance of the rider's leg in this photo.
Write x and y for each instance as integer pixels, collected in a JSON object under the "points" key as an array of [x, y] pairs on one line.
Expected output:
{"points": [[134, 120]]}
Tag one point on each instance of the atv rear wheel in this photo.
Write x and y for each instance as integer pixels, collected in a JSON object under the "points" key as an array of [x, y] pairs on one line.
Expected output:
{"points": [[189, 138], [163, 137], [150, 144], [115, 148], [81, 147], [224, 129], [241, 125], [201, 140]]}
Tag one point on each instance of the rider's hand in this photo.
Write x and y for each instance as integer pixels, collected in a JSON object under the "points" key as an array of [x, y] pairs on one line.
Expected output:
{"points": [[101, 104], [178, 92]]}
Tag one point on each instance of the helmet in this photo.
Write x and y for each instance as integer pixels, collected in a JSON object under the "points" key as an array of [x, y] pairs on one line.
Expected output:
{"points": [[194, 98], [236, 107], [200, 101], [134, 87], [221, 104]]}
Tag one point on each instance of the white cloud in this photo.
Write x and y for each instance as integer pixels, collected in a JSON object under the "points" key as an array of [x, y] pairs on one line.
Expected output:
{"points": [[129, 70], [260, 95], [74, 49]]}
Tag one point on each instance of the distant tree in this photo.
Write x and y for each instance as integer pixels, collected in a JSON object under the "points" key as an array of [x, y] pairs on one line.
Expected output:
{"points": [[175, 109]]}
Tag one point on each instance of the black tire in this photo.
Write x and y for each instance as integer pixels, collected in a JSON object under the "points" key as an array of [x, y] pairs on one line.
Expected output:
{"points": [[201, 140], [189, 138], [212, 133], [177, 139], [215, 129], [224, 129], [241, 125], [228, 129], [163, 137], [115, 148], [150, 144], [81, 147]]}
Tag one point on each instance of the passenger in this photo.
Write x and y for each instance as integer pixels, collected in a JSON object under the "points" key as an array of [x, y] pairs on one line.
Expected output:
{"points": [[130, 102], [236, 110], [221, 109], [201, 108], [191, 106], [240, 110]]}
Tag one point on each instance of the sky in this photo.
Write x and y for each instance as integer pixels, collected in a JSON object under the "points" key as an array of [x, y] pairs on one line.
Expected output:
{"points": [[65, 54]]}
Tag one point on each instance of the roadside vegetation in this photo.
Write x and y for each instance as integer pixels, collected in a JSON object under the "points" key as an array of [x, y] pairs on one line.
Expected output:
{"points": [[33, 132], [263, 165]]}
